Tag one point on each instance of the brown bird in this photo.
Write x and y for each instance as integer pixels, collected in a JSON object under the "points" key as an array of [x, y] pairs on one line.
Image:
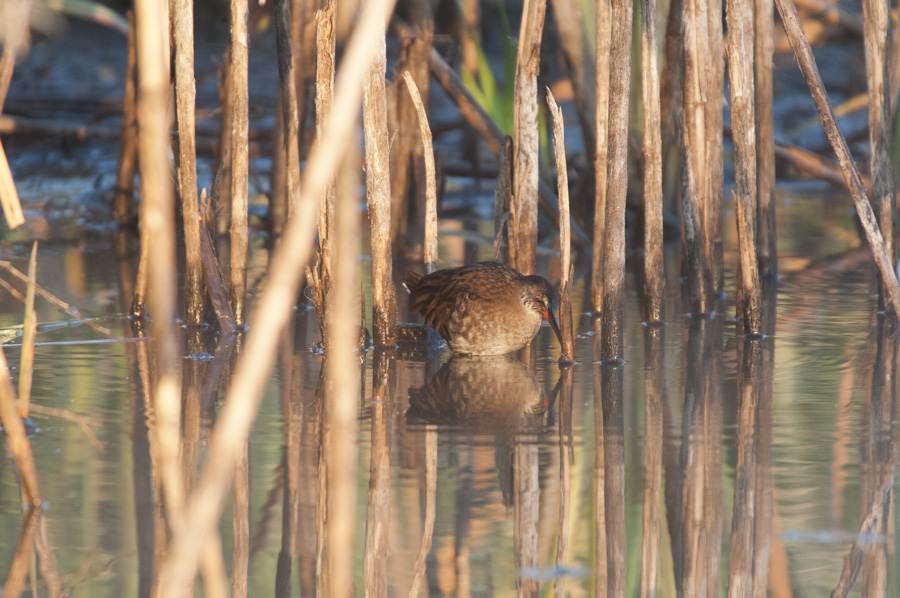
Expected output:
{"points": [[483, 309]]}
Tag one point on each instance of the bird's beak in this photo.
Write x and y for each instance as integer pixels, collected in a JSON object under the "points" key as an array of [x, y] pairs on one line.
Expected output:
{"points": [[548, 315]]}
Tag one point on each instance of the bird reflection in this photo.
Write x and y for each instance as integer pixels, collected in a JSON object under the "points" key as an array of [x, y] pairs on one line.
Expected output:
{"points": [[487, 393]]}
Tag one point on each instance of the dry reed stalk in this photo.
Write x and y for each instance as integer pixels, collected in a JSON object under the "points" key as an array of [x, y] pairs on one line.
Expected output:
{"points": [[565, 237], [18, 568], [578, 54], [215, 282], [342, 373], [214, 575], [654, 272], [695, 166], [526, 144], [239, 159], [766, 239], [278, 197], [502, 195], [378, 195], [270, 315], [15, 435], [715, 98], [617, 182], [431, 229], [158, 229], [9, 197], [319, 276], [13, 292], [287, 62], [815, 165], [223, 192], [29, 329], [408, 172], [127, 164], [807, 63], [671, 90], [601, 154], [741, 546], [185, 100], [15, 34], [654, 399], [479, 120], [875, 15], [325, 54], [743, 126], [303, 50]]}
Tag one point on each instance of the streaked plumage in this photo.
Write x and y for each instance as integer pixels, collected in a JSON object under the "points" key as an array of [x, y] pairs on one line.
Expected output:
{"points": [[484, 308]]}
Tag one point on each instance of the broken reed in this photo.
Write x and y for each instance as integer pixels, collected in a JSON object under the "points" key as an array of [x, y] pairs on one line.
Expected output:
{"points": [[565, 241]]}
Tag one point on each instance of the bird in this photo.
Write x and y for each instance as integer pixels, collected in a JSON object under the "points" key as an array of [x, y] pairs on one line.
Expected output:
{"points": [[486, 308]]}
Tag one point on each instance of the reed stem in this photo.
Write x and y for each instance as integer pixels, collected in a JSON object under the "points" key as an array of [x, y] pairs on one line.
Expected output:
{"points": [[654, 273], [617, 181], [565, 237], [431, 230], [270, 316], [378, 194], [239, 159], [766, 239], [127, 164], [743, 121], [807, 63], [876, 20], [158, 229], [601, 155], [185, 98], [526, 142], [289, 104]]}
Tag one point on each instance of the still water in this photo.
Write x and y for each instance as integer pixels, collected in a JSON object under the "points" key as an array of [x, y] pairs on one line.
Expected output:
{"points": [[704, 460]]}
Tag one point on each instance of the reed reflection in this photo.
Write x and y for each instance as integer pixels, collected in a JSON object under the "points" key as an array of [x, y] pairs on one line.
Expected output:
{"points": [[610, 534], [298, 476], [696, 537], [486, 394], [378, 502], [654, 403], [871, 552], [490, 411]]}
